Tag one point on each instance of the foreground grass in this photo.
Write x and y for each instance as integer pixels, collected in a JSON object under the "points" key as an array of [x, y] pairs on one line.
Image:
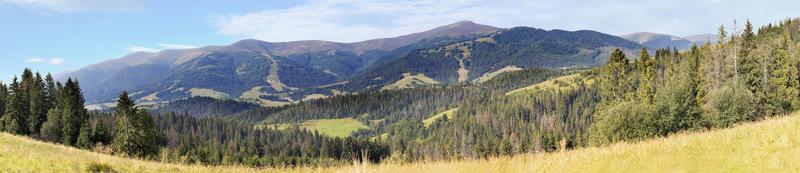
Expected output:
{"points": [[22, 154], [769, 146]]}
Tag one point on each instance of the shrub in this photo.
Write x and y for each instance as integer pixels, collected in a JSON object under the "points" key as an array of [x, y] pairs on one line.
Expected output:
{"points": [[624, 121], [676, 108], [729, 105]]}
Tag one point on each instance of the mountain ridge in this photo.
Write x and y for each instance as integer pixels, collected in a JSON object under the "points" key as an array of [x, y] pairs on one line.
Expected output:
{"points": [[280, 73]]}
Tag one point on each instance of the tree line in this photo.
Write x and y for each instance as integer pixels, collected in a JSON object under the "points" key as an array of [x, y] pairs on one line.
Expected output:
{"points": [[744, 77], [45, 109]]}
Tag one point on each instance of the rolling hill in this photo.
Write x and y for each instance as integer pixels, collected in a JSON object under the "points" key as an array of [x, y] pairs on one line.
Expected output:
{"points": [[767, 146], [255, 70], [657, 41], [277, 74], [469, 60]]}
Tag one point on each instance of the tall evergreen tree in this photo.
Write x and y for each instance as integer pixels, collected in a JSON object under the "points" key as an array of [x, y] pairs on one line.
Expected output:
{"points": [[50, 92], [136, 135], [647, 77], [785, 91], [14, 119], [52, 129], [3, 95], [615, 77], [37, 104], [74, 113]]}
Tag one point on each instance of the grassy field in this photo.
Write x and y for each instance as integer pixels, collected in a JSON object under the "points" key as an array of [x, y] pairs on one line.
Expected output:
{"points": [[562, 83], [769, 146], [342, 127], [449, 113]]}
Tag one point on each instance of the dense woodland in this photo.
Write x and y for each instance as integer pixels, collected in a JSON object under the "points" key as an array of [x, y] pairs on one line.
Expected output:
{"points": [[747, 76], [49, 111]]}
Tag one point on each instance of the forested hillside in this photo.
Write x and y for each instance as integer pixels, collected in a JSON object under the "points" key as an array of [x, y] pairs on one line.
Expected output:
{"points": [[746, 76]]}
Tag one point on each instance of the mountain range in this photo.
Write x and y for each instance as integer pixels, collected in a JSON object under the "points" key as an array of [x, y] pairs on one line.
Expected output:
{"points": [[658, 41], [280, 73]]}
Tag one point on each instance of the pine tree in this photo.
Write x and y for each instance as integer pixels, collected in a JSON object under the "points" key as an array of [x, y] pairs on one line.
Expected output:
{"points": [[3, 96], [84, 137], [38, 105], [784, 84], [74, 113], [136, 135], [50, 92], [647, 77], [14, 119], [614, 77], [52, 128]]}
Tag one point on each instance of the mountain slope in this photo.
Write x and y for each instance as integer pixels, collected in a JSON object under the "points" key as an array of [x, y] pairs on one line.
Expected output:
{"points": [[657, 41], [268, 70], [769, 146], [702, 38], [520, 47]]}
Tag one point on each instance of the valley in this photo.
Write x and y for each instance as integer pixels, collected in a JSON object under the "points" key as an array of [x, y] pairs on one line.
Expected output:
{"points": [[748, 148], [380, 90]]}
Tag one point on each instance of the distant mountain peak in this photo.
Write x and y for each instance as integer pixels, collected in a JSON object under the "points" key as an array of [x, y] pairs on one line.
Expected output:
{"points": [[463, 23], [657, 41]]}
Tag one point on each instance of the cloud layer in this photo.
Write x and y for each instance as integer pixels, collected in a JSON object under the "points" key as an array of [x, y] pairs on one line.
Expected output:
{"points": [[51, 61], [77, 5], [161, 46], [356, 20]]}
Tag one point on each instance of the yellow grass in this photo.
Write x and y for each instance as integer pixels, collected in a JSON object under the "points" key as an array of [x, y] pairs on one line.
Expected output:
{"points": [[204, 92], [562, 83], [488, 76], [410, 81], [21, 154], [449, 113], [342, 127], [772, 145]]}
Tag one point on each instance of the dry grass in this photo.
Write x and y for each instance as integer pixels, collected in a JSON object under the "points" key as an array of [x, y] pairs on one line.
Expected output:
{"points": [[769, 146], [411, 81], [489, 76], [449, 113], [204, 92], [341, 127], [563, 83]]}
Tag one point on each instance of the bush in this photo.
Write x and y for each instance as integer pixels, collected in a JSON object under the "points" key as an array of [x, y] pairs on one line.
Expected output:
{"points": [[729, 105], [676, 108], [99, 168], [624, 121]]}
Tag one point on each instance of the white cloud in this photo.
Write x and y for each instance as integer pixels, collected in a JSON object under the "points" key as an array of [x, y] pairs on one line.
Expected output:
{"points": [[51, 61], [176, 46], [356, 20], [141, 49], [161, 46], [56, 61], [35, 60], [77, 5]]}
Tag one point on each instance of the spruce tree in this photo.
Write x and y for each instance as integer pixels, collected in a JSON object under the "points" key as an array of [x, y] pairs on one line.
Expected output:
{"points": [[136, 135], [50, 92], [52, 129], [14, 119], [84, 137], [74, 113], [784, 87], [3, 95], [38, 105], [647, 77], [614, 81]]}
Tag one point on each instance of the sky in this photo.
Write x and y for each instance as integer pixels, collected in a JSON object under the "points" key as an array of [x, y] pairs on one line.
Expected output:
{"points": [[53, 36]]}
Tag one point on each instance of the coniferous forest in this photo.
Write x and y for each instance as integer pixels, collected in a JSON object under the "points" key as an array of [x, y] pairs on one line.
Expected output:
{"points": [[747, 75]]}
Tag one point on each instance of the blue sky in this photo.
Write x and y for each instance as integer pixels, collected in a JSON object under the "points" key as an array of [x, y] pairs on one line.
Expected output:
{"points": [[57, 35]]}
